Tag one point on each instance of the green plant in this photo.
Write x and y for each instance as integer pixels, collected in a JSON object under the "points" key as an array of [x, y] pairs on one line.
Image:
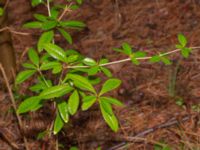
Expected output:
{"points": [[1, 11], [159, 147], [73, 76], [196, 108]]}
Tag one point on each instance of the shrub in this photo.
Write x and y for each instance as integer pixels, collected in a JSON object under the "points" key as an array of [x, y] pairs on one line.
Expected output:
{"points": [[74, 76]]}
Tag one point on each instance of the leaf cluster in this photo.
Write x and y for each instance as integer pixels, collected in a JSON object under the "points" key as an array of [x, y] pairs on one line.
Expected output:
{"points": [[73, 80]]}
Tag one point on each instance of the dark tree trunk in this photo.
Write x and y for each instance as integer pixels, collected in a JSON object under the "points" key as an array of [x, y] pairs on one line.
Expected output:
{"points": [[7, 53]]}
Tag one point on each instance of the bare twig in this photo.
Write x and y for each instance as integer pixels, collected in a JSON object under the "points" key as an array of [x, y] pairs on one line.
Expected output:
{"points": [[48, 8], [6, 5], [139, 136], [14, 104], [7, 140], [54, 103], [67, 9], [129, 59], [13, 31]]}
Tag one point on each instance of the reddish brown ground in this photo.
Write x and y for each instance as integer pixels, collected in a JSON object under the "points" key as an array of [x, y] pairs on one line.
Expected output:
{"points": [[149, 25]]}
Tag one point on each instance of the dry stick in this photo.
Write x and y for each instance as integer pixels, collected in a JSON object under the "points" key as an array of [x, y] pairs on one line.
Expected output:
{"points": [[49, 13], [48, 8], [51, 126], [184, 139], [14, 104], [67, 9], [6, 5], [129, 59], [7, 140], [139, 136], [13, 31]]}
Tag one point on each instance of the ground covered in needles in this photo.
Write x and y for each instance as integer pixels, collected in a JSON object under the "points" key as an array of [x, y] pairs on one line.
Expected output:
{"points": [[161, 102]]}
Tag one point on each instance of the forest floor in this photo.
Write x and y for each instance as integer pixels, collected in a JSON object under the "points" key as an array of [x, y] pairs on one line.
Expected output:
{"points": [[161, 102]]}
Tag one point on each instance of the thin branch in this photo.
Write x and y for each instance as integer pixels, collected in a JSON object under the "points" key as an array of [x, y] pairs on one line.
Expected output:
{"points": [[67, 9], [54, 103], [139, 136], [43, 78], [13, 104], [6, 5], [4, 137], [13, 31], [49, 8], [129, 59]]}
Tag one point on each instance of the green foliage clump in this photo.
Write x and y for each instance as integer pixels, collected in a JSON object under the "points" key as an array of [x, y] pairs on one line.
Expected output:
{"points": [[74, 77]]}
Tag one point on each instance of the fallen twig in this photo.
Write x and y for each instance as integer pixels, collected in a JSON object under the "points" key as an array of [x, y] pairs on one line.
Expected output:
{"points": [[129, 59], [13, 31], [139, 136], [13, 104], [7, 140]]}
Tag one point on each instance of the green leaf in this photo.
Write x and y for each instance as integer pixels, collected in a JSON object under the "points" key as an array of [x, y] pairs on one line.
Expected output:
{"points": [[24, 75], [72, 58], [93, 70], [166, 148], [66, 35], [180, 102], [29, 104], [106, 72], [135, 61], [103, 61], [109, 85], [158, 147], [58, 124], [38, 87], [94, 80], [63, 110], [166, 61], [1, 11], [72, 24], [55, 51], [57, 69], [36, 2], [178, 46], [50, 65], [70, 52], [112, 101], [139, 54], [41, 135], [41, 85], [106, 106], [185, 52], [74, 7], [33, 25], [182, 40], [45, 58], [73, 102], [127, 48], [111, 120], [79, 1], [73, 148], [81, 82], [29, 66], [118, 50], [89, 62], [54, 13], [33, 56], [40, 17], [155, 58], [88, 101], [49, 25], [55, 91], [45, 38]]}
